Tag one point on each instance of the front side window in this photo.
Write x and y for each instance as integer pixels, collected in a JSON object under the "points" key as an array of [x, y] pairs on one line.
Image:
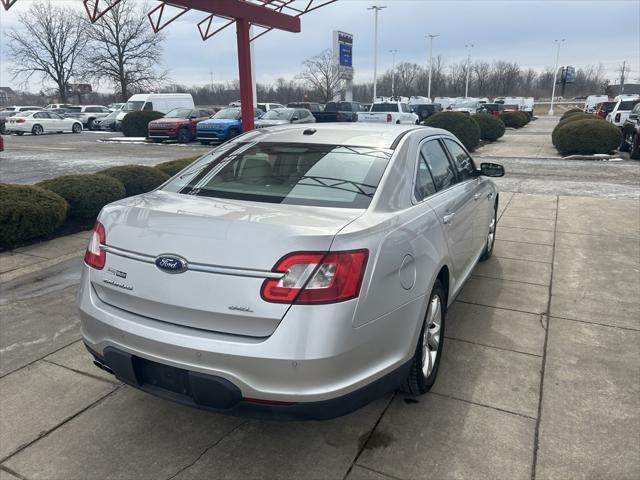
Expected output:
{"points": [[133, 106], [294, 174], [463, 162], [441, 169], [278, 114], [148, 107], [179, 113]]}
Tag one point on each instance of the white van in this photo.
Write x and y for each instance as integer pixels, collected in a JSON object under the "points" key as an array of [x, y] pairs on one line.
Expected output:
{"points": [[159, 102], [593, 100], [529, 104]]}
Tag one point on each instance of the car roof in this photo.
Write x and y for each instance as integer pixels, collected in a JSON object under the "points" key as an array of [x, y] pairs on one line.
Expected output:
{"points": [[352, 134]]}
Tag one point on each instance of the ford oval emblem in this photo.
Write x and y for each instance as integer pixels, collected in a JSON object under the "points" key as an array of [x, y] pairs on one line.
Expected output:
{"points": [[171, 264]]}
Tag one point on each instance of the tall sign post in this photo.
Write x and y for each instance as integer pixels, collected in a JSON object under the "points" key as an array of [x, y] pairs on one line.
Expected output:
{"points": [[343, 57]]}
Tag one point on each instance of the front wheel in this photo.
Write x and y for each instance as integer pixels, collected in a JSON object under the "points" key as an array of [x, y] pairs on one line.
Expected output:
{"points": [[233, 133], [426, 360], [183, 136], [37, 130], [491, 237], [77, 128], [205, 142], [91, 125]]}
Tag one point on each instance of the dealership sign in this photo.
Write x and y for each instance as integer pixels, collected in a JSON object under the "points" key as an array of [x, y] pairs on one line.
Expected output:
{"points": [[343, 53]]}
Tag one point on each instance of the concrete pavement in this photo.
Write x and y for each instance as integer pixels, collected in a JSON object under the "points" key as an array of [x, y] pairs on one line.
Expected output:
{"points": [[540, 378]]}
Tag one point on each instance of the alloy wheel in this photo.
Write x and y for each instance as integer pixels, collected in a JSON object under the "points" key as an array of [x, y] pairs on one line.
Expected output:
{"points": [[492, 233], [431, 335], [36, 130]]}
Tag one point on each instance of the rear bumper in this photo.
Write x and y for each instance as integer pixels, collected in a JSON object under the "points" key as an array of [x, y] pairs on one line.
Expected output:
{"points": [[217, 394], [313, 356], [17, 127]]}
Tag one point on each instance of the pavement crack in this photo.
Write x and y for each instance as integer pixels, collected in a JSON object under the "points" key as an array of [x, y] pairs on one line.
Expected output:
{"points": [[206, 450], [542, 322]]}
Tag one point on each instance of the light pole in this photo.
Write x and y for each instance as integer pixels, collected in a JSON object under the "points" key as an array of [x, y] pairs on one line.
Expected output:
{"points": [[430, 37], [393, 71], [466, 88], [376, 9], [555, 75]]}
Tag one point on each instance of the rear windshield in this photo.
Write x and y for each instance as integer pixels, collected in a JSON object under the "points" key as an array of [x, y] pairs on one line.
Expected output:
{"points": [[384, 107], [292, 174]]}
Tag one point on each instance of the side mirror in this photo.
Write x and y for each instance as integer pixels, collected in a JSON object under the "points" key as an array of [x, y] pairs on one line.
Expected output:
{"points": [[491, 170]]}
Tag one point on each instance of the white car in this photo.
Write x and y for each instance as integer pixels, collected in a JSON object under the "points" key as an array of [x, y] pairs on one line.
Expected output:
{"points": [[16, 108], [389, 112], [40, 122], [622, 110], [87, 114]]}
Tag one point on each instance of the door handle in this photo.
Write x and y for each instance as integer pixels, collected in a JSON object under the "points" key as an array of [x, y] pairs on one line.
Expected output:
{"points": [[476, 196], [448, 218]]}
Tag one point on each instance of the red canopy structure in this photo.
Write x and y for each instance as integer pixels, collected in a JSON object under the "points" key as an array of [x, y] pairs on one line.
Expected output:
{"points": [[266, 14]]}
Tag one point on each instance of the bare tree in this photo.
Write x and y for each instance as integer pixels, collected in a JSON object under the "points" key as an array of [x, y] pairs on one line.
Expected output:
{"points": [[407, 74], [321, 75], [50, 44], [126, 51], [481, 72]]}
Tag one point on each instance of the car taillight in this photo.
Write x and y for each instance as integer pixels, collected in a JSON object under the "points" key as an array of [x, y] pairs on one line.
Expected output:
{"points": [[95, 257], [20, 120], [617, 117], [317, 277], [389, 117]]}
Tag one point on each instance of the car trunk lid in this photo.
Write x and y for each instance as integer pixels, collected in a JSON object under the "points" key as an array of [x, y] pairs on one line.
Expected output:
{"points": [[229, 247]]}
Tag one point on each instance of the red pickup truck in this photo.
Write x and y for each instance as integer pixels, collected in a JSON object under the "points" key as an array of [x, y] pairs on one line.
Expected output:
{"points": [[179, 124]]}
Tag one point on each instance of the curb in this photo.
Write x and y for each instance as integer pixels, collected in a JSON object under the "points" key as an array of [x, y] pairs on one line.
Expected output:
{"points": [[37, 267], [125, 140]]}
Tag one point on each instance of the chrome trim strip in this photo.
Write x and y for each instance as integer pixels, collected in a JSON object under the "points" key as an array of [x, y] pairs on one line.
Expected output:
{"points": [[197, 267]]}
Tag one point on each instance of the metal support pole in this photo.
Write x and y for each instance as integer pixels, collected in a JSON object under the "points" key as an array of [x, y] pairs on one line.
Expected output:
{"points": [[244, 68], [393, 72], [555, 75], [466, 88], [375, 9], [431, 37]]}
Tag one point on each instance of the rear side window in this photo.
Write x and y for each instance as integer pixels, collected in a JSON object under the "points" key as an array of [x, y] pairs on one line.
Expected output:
{"points": [[424, 181], [463, 162], [441, 170]]}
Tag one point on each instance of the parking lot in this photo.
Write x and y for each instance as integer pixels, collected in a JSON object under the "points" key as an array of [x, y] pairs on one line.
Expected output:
{"points": [[540, 375], [30, 159]]}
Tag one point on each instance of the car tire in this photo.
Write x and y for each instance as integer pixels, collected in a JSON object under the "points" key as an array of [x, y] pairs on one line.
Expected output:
{"points": [[77, 128], [37, 130], [426, 360], [491, 237], [90, 124], [183, 136], [233, 133], [635, 148], [3, 129]]}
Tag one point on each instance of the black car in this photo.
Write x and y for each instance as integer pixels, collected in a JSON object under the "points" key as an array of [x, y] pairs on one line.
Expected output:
{"points": [[3, 119], [424, 111]]}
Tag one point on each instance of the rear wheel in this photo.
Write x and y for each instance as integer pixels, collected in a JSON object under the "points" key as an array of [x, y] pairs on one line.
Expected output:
{"points": [[635, 147], [19, 133], [77, 128], [183, 136], [426, 360], [624, 146], [37, 130], [91, 124]]}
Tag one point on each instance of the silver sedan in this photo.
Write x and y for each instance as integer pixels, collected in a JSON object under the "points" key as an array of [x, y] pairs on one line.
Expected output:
{"points": [[295, 271]]}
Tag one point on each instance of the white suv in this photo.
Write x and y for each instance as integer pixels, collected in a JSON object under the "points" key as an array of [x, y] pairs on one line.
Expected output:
{"points": [[87, 114], [622, 110]]}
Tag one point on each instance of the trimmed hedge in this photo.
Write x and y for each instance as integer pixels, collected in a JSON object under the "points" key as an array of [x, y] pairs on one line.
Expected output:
{"points": [[513, 119], [137, 179], [27, 212], [524, 116], [458, 123], [569, 119], [572, 111], [587, 137], [491, 127], [174, 166], [136, 124], [86, 194]]}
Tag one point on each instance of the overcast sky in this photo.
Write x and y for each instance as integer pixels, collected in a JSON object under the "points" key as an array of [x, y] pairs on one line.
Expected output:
{"points": [[596, 32]]}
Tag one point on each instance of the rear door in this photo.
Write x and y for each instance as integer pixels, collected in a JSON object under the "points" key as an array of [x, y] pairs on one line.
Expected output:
{"points": [[477, 188], [453, 204], [43, 119]]}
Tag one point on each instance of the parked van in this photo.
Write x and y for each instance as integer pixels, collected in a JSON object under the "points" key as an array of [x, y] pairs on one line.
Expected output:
{"points": [[529, 104], [159, 102], [593, 100]]}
